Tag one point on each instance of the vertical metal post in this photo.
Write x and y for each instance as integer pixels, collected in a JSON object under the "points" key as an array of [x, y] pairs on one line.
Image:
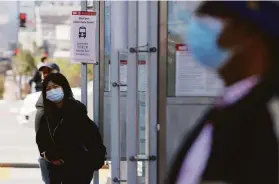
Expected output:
{"points": [[96, 81], [101, 65], [39, 38], [118, 42], [132, 96], [84, 68], [162, 92], [17, 22], [115, 100], [152, 92], [96, 107], [19, 96]]}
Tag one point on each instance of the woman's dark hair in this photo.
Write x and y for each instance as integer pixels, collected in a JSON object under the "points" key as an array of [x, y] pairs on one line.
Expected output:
{"points": [[60, 80]]}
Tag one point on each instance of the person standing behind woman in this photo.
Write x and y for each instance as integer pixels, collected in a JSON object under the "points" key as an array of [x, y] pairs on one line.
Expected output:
{"points": [[37, 76], [63, 136]]}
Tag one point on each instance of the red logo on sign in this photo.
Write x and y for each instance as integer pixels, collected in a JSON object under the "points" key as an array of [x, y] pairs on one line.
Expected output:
{"points": [[84, 13]]}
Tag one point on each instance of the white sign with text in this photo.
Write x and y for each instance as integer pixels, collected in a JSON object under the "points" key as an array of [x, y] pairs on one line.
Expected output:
{"points": [[83, 37]]}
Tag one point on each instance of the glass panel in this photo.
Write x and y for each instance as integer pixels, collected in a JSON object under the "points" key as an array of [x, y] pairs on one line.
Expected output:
{"points": [[196, 80], [179, 13], [142, 76], [107, 45], [107, 96], [123, 57], [107, 99]]}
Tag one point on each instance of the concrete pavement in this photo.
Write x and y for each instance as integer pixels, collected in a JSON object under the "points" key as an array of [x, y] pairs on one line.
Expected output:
{"points": [[17, 145], [20, 176]]}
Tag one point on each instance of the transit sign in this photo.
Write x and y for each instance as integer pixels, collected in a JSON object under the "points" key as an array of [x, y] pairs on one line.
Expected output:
{"points": [[83, 37]]}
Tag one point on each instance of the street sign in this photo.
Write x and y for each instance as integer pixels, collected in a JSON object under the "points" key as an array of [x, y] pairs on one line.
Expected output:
{"points": [[83, 37]]}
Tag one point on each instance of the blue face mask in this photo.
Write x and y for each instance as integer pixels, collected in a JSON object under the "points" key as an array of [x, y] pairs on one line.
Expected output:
{"points": [[202, 36], [55, 95]]}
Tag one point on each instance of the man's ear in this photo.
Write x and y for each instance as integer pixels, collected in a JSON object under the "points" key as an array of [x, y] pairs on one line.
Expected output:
{"points": [[233, 34]]}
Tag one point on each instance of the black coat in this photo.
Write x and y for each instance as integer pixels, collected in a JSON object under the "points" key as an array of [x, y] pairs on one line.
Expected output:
{"points": [[37, 78], [244, 146], [70, 138]]}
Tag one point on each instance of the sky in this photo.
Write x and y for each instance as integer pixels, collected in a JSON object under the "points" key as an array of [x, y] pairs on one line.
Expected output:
{"points": [[8, 22], [9, 14]]}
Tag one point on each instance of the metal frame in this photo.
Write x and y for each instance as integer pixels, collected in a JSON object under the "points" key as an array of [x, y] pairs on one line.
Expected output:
{"points": [[115, 101], [132, 96], [101, 64], [84, 68], [151, 92], [162, 89], [118, 43], [98, 93]]}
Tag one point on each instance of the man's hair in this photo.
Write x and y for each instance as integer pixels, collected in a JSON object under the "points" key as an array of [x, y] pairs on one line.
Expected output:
{"points": [[43, 59]]}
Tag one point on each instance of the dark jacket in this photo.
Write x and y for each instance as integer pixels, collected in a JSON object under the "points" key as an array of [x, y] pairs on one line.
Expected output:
{"points": [[69, 137], [244, 146], [40, 112], [37, 78]]}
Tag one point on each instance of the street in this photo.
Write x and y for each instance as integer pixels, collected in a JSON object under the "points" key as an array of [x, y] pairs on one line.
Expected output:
{"points": [[17, 145], [20, 176]]}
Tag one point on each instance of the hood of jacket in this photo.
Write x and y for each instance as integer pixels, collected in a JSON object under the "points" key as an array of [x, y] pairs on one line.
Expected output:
{"points": [[40, 102], [73, 105]]}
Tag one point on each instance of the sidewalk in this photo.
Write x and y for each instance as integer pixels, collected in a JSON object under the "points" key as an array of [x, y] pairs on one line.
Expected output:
{"points": [[33, 176], [104, 176]]}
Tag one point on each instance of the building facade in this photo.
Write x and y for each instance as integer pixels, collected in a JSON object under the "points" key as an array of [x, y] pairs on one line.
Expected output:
{"points": [[53, 26]]}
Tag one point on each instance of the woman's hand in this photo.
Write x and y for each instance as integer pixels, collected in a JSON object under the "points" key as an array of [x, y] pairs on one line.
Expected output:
{"points": [[44, 156], [57, 162]]}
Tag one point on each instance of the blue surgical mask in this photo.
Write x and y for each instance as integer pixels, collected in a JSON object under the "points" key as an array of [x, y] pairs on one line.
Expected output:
{"points": [[202, 37], [55, 95]]}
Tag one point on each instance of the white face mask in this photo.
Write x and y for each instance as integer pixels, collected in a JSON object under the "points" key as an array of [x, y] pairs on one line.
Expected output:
{"points": [[55, 95]]}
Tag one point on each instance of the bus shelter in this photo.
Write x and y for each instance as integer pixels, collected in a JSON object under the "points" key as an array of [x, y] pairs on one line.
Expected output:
{"points": [[148, 90]]}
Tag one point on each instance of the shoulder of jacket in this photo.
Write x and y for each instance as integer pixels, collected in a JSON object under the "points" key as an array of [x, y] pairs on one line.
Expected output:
{"points": [[76, 106]]}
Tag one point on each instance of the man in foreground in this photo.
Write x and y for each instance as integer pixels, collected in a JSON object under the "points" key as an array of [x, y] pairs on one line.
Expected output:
{"points": [[235, 142]]}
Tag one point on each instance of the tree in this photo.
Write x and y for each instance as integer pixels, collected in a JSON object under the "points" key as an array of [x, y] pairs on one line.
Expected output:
{"points": [[24, 63]]}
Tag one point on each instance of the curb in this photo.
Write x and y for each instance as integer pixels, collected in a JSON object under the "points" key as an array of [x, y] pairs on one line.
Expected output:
{"points": [[19, 165], [28, 165]]}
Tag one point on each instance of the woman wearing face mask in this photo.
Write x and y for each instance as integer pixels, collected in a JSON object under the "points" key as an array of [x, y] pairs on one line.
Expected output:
{"points": [[62, 137], [236, 141]]}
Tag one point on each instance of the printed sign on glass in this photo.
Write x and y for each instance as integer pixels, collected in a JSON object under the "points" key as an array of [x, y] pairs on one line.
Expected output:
{"points": [[83, 37]]}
